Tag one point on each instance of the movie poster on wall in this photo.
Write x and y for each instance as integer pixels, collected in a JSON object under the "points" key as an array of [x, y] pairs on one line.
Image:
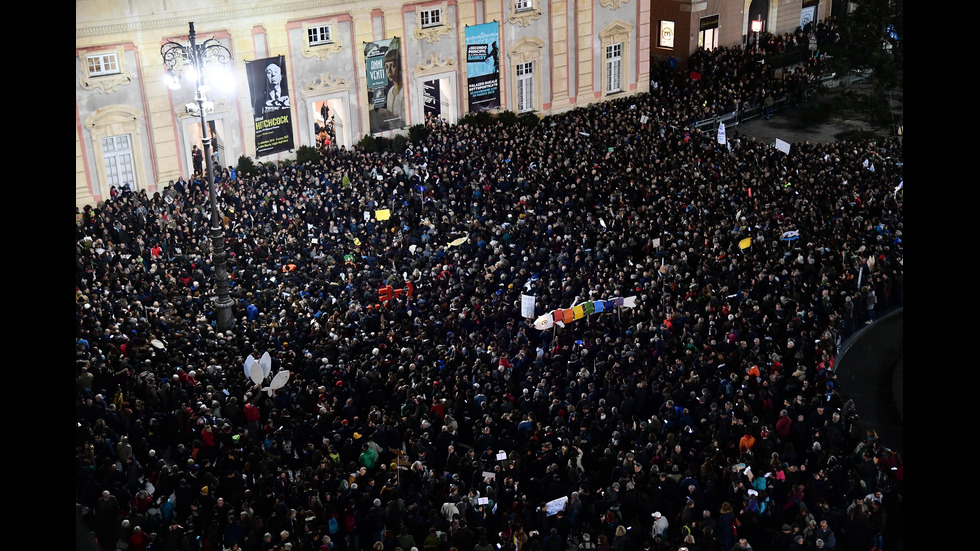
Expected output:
{"points": [[483, 67], [386, 91], [270, 105]]}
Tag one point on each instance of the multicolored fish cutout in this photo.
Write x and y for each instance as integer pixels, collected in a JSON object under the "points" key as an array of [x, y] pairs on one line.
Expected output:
{"points": [[561, 316]]}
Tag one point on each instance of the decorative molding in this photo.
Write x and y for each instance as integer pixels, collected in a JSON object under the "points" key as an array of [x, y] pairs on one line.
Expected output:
{"points": [[104, 83], [113, 115], [432, 34], [325, 84], [176, 19], [321, 51], [526, 49], [618, 31], [107, 83], [614, 4], [437, 63], [524, 17]]}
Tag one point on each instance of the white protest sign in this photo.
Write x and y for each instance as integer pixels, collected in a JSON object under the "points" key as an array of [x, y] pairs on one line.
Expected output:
{"points": [[527, 306], [555, 505]]}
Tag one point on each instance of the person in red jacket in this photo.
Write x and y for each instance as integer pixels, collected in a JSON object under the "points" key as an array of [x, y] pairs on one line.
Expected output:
{"points": [[783, 425], [139, 540], [252, 417]]}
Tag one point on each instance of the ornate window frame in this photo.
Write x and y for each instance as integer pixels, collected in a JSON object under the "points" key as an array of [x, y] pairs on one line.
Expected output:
{"points": [[432, 32], [115, 120], [525, 50], [524, 16], [324, 50], [618, 32], [104, 83]]}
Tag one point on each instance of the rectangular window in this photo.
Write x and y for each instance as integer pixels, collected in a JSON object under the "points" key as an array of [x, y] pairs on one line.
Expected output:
{"points": [[525, 86], [708, 39], [521, 5], [102, 64], [614, 68], [708, 32], [118, 154], [319, 35], [431, 18]]}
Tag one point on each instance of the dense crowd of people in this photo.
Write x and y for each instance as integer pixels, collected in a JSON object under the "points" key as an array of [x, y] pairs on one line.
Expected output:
{"points": [[709, 417]]}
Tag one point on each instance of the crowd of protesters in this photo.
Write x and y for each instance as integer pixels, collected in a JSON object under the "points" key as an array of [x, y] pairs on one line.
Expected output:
{"points": [[708, 417]]}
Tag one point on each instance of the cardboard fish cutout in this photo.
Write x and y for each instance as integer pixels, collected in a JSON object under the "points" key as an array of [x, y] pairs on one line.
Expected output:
{"points": [[255, 373], [266, 362], [248, 365], [278, 382]]}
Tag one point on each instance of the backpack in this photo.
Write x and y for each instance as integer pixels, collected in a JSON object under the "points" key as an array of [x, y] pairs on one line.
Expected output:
{"points": [[332, 525]]}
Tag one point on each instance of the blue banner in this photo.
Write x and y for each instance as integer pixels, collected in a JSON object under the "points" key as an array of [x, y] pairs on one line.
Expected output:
{"points": [[483, 67]]}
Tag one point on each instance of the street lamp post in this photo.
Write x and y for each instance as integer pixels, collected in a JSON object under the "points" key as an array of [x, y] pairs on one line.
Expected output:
{"points": [[176, 57]]}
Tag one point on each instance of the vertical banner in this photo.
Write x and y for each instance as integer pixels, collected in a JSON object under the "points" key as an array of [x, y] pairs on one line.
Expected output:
{"points": [[483, 67], [386, 91], [270, 105], [431, 98]]}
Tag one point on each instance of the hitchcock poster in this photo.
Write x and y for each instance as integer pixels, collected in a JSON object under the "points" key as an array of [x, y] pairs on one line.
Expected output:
{"points": [[270, 105], [483, 67], [386, 92]]}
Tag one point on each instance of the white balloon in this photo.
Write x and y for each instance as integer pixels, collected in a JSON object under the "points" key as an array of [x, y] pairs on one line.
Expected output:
{"points": [[266, 362]]}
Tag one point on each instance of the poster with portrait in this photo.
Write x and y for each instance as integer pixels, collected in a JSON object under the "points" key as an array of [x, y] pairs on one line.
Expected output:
{"points": [[270, 105], [483, 67], [385, 85]]}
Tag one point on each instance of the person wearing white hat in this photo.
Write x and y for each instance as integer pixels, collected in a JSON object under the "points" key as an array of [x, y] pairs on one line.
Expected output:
{"points": [[659, 525]]}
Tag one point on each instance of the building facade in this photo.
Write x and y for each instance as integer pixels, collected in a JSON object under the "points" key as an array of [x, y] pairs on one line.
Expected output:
{"points": [[681, 27], [359, 67]]}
